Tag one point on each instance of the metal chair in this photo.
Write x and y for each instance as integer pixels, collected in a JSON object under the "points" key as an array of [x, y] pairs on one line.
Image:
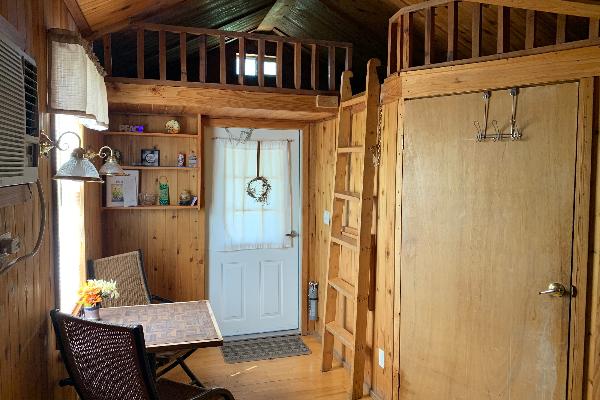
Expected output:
{"points": [[128, 271], [108, 362]]}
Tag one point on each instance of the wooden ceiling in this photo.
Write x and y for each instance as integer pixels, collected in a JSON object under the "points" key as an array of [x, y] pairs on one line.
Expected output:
{"points": [[361, 22]]}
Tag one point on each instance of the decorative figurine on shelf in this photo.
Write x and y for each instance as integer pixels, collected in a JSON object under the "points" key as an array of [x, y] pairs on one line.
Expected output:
{"points": [[173, 126], [185, 198], [181, 159], [91, 295], [163, 191], [192, 161]]}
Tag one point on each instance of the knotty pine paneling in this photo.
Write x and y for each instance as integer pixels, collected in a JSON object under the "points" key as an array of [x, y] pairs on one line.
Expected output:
{"points": [[29, 365], [380, 322]]}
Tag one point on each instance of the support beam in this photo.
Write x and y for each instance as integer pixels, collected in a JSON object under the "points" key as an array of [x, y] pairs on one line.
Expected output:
{"points": [[476, 31], [503, 45], [530, 22], [78, 17], [429, 35], [567, 7], [452, 30], [275, 14]]}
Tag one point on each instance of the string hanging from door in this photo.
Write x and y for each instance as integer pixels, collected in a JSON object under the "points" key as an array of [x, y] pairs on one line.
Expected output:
{"points": [[259, 188], [243, 137]]}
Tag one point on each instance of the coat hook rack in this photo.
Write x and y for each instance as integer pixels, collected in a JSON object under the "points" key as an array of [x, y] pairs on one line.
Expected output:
{"points": [[514, 134], [481, 134]]}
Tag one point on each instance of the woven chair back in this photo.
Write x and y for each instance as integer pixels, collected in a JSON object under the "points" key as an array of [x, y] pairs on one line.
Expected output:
{"points": [[105, 362], [127, 271]]}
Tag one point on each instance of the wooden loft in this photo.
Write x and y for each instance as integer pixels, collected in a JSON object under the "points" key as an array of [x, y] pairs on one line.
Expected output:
{"points": [[299, 63], [519, 28]]}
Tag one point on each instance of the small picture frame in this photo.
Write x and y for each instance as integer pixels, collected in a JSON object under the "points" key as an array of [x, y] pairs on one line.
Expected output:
{"points": [[150, 157]]}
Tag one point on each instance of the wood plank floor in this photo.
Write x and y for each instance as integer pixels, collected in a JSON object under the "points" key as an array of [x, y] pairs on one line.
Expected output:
{"points": [[291, 378]]}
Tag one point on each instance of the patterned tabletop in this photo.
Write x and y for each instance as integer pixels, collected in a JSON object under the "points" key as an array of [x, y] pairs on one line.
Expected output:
{"points": [[170, 326]]}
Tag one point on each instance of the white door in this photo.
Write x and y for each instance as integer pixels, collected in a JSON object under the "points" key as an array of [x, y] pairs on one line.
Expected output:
{"points": [[253, 265]]}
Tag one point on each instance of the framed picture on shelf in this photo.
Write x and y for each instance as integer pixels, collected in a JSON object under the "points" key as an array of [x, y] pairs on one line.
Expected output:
{"points": [[150, 157], [122, 191]]}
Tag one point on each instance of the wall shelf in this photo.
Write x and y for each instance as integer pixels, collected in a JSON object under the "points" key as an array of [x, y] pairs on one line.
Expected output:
{"points": [[140, 208], [150, 134]]}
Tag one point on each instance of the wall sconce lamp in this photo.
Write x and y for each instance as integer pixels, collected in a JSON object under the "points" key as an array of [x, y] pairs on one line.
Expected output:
{"points": [[79, 166]]}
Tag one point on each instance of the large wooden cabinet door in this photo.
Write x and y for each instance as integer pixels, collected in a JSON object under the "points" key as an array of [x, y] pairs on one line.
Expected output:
{"points": [[485, 227]]}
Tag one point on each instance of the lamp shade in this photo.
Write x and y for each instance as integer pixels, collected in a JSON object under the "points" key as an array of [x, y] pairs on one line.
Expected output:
{"points": [[78, 168], [112, 168]]}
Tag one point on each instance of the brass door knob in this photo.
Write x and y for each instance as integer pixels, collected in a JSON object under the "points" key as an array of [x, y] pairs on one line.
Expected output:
{"points": [[556, 289]]}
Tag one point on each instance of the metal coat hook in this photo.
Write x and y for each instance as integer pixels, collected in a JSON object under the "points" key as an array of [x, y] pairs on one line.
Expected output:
{"points": [[481, 134], [515, 132]]}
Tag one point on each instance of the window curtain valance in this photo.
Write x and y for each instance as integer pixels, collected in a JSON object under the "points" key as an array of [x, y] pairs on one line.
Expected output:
{"points": [[76, 77]]}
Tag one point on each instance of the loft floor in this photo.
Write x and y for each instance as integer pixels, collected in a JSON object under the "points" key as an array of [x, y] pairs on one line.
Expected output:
{"points": [[291, 378]]}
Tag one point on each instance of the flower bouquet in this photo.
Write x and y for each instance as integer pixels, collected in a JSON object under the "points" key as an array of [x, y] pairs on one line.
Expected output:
{"points": [[92, 293]]}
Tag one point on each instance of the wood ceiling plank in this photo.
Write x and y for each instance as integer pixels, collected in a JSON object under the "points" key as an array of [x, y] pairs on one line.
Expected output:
{"points": [[275, 14]]}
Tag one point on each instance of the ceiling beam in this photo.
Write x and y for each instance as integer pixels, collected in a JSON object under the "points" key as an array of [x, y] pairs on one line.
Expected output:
{"points": [[78, 17], [567, 7], [275, 14]]}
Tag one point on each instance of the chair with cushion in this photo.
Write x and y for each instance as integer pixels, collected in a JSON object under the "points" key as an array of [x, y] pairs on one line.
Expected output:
{"points": [[109, 362], [127, 270]]}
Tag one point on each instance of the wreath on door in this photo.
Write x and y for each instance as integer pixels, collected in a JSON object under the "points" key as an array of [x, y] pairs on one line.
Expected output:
{"points": [[259, 188]]}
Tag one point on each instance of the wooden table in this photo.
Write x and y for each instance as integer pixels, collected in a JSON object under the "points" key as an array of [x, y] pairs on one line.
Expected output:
{"points": [[170, 326]]}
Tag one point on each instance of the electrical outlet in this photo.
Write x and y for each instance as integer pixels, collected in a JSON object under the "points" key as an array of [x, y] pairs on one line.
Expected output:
{"points": [[326, 217], [381, 358]]}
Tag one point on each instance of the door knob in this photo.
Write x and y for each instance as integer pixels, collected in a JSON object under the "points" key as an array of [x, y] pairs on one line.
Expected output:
{"points": [[556, 290], [292, 234]]}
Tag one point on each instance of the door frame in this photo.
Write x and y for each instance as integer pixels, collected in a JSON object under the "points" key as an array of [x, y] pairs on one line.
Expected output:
{"points": [[303, 257], [533, 70]]}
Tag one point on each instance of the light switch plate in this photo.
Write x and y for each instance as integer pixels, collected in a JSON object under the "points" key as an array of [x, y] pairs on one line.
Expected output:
{"points": [[381, 358], [326, 217]]}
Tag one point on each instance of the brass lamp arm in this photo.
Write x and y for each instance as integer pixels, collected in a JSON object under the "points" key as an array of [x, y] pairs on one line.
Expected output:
{"points": [[90, 154]]}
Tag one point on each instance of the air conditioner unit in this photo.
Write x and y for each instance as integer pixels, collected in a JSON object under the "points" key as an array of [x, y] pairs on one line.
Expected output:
{"points": [[19, 136]]}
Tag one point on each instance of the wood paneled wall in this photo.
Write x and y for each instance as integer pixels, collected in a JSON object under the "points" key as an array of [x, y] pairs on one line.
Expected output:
{"points": [[29, 365], [380, 322]]}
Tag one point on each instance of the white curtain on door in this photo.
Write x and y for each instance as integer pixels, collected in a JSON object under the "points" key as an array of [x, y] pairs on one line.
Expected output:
{"points": [[249, 224]]}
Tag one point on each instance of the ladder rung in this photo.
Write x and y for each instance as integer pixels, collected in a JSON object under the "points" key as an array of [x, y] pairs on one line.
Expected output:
{"points": [[351, 149], [343, 287], [350, 231], [341, 333], [350, 196], [344, 241]]}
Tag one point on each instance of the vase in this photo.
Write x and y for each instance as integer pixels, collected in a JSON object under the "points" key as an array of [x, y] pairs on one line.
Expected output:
{"points": [[92, 313]]}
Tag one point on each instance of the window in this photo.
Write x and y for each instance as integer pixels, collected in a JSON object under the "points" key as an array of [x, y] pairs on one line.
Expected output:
{"points": [[69, 206], [251, 65]]}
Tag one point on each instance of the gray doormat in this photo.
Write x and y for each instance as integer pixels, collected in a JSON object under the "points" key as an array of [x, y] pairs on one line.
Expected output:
{"points": [[263, 349]]}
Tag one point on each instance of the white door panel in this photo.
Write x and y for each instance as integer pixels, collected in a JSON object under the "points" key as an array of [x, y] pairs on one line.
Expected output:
{"points": [[252, 291]]}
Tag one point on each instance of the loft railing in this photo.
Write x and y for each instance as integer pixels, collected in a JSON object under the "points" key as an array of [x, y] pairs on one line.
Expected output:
{"points": [[403, 38], [301, 73]]}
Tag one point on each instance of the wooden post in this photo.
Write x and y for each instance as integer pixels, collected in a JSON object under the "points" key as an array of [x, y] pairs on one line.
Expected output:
{"points": [[392, 66], [140, 54], [279, 54], [530, 29], [452, 30], [429, 34], [106, 39], [561, 29], [503, 44], [594, 28], [407, 22], [314, 67], [476, 31], [348, 59], [297, 65], [162, 55], [331, 68], [261, 62], [222, 60], [183, 55], [202, 58], [242, 60]]}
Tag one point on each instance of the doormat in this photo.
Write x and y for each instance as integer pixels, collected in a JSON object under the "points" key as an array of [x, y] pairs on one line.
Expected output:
{"points": [[263, 349]]}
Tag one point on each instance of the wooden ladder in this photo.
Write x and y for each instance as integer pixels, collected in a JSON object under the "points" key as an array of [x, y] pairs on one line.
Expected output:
{"points": [[355, 239]]}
